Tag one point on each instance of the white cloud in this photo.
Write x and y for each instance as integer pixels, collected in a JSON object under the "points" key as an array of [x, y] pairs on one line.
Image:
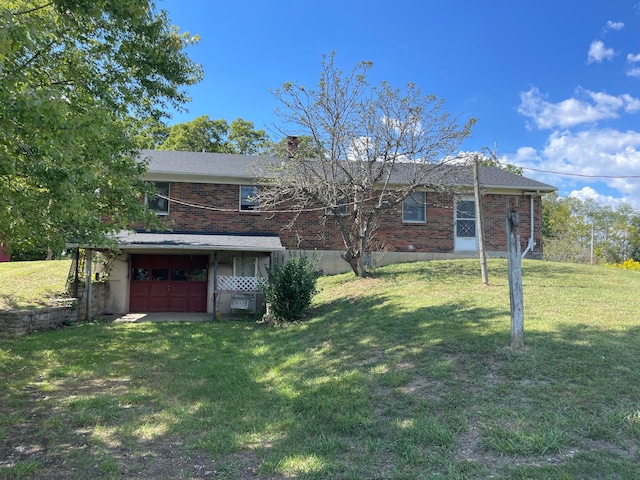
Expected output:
{"points": [[588, 193], [526, 154], [631, 104], [631, 58], [633, 72], [613, 26], [598, 52], [608, 156], [592, 107]]}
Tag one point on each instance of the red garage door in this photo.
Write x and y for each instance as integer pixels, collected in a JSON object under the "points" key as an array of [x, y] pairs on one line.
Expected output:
{"points": [[168, 283]]}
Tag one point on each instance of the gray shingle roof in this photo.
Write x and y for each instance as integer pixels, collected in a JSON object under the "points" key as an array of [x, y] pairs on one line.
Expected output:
{"points": [[205, 164], [181, 241], [221, 166]]}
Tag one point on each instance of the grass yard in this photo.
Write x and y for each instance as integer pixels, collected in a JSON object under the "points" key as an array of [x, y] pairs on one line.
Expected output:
{"points": [[404, 375], [32, 284]]}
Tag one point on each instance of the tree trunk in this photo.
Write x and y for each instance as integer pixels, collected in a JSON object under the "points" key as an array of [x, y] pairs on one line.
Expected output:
{"points": [[353, 259]]}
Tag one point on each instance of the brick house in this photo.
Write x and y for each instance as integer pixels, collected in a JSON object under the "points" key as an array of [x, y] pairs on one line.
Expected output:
{"points": [[220, 242]]}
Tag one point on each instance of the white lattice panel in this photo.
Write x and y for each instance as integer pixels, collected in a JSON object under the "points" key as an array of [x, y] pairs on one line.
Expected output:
{"points": [[238, 284]]}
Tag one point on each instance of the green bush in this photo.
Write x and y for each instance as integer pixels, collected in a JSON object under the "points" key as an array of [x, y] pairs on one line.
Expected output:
{"points": [[630, 264], [291, 287]]}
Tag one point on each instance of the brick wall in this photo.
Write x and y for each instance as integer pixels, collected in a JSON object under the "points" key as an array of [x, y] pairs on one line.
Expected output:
{"points": [[315, 231]]}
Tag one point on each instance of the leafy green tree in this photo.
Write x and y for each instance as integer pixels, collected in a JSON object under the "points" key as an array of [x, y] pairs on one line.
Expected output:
{"points": [[149, 133], [576, 230], [289, 146], [72, 72], [199, 135], [244, 139], [205, 135], [565, 236]]}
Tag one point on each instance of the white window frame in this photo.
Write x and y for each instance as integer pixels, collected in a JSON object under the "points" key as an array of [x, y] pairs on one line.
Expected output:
{"points": [[152, 203], [415, 203], [238, 259], [245, 204]]}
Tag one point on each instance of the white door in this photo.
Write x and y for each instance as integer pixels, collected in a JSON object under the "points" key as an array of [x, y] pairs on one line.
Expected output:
{"points": [[465, 226]]}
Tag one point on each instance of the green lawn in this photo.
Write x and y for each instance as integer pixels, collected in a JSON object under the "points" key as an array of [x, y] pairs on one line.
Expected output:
{"points": [[405, 375], [32, 284]]}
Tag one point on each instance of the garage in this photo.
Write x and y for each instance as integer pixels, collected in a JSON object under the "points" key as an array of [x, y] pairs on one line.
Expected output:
{"points": [[168, 283]]}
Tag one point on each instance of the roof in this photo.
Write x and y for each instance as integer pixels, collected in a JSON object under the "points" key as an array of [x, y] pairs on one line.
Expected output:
{"points": [[496, 178], [202, 164], [174, 241], [215, 167]]}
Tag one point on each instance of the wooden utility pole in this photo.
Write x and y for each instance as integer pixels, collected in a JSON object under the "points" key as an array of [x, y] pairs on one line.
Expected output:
{"points": [[515, 275], [479, 222]]}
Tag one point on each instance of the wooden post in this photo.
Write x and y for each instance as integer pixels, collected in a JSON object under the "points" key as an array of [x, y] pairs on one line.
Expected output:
{"points": [[215, 286], [515, 275], [480, 223], [87, 282]]}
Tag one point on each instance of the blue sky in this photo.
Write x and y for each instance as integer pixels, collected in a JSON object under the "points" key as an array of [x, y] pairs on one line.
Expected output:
{"points": [[553, 84]]}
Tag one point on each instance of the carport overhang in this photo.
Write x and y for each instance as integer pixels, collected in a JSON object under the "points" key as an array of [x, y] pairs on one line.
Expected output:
{"points": [[188, 243], [138, 242], [126, 243]]}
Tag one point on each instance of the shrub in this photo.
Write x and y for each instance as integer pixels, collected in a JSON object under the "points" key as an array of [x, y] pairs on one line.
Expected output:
{"points": [[291, 287], [630, 264]]}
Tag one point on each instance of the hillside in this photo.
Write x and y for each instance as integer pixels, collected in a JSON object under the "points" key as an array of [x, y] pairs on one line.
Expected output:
{"points": [[32, 284], [404, 375]]}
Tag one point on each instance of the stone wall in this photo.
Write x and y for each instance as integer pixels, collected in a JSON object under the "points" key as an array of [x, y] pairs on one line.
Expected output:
{"points": [[22, 321], [99, 296]]}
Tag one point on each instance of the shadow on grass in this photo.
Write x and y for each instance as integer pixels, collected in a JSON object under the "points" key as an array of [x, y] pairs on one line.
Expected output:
{"points": [[367, 388]]}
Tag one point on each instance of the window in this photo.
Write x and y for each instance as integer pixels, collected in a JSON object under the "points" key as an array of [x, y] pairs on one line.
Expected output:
{"points": [[160, 274], [140, 274], [245, 267], [414, 208], [341, 208], [159, 203], [198, 274], [248, 194]]}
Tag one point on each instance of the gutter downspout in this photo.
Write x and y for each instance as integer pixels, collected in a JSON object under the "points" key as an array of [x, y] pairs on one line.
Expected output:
{"points": [[532, 242]]}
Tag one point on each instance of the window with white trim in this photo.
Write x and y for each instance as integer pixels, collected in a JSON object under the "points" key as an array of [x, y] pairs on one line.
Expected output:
{"points": [[159, 203], [245, 266], [414, 208], [248, 201]]}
